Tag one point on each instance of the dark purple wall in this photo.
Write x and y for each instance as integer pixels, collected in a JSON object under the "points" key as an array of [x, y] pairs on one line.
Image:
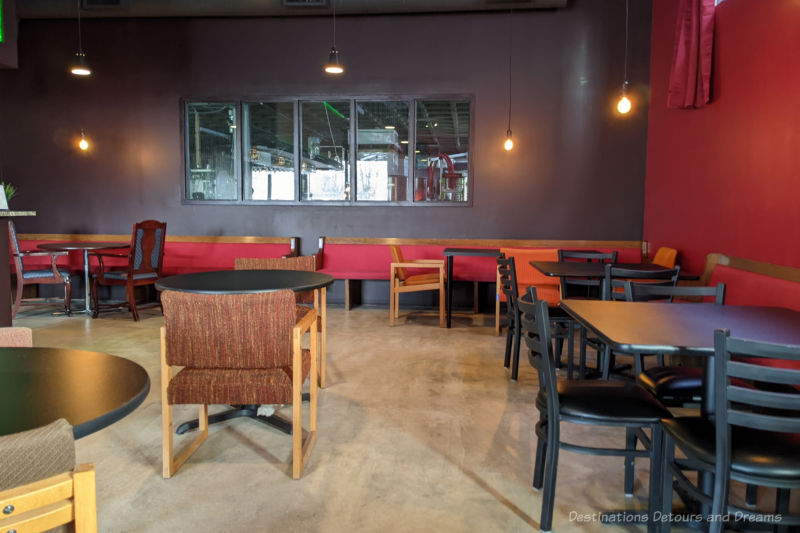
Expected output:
{"points": [[577, 171]]}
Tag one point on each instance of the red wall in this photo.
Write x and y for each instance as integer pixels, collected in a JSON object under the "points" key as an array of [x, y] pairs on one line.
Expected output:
{"points": [[726, 178]]}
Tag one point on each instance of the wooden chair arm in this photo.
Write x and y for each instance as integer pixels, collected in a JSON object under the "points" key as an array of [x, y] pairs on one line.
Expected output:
{"points": [[305, 323], [432, 263], [111, 254], [32, 253]]}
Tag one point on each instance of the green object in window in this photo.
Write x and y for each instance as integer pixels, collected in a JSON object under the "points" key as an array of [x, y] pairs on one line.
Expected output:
{"points": [[2, 36]]}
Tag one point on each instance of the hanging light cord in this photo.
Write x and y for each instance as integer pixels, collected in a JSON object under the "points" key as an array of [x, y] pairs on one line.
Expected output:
{"points": [[510, 33], [80, 48], [334, 23], [625, 82]]}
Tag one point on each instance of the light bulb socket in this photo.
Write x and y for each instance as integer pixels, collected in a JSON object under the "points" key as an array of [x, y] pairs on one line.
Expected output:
{"points": [[508, 133], [333, 66], [625, 85], [79, 66]]}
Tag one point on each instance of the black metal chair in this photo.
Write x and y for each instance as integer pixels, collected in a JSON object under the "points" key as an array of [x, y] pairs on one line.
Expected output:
{"points": [[577, 287], [675, 386], [754, 437], [613, 288], [595, 403], [560, 322]]}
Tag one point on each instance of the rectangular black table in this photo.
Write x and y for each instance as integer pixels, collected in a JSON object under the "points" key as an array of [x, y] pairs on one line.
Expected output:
{"points": [[676, 328], [449, 253]]}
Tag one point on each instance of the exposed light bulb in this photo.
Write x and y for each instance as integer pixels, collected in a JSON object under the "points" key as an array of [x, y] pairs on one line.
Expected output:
{"points": [[333, 66], [509, 144], [624, 105], [83, 144]]}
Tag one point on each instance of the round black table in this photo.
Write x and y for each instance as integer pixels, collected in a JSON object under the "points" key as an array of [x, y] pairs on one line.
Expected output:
{"points": [[245, 281], [90, 389], [251, 281]]}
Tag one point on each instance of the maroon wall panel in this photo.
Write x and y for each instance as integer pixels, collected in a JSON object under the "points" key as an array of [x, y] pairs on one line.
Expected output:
{"points": [[726, 178], [577, 172]]}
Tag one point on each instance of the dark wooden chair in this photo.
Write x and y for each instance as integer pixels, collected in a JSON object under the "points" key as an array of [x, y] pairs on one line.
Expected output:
{"points": [[145, 261], [594, 403], [753, 438], [237, 349], [37, 276]]}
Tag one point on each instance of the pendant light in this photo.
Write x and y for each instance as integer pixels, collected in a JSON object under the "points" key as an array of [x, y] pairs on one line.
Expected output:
{"points": [[83, 144], [624, 104], [334, 66], [79, 67], [509, 144]]}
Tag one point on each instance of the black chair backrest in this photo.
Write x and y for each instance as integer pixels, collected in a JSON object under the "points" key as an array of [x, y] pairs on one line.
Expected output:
{"points": [[738, 364], [615, 277], [587, 255], [583, 287], [508, 286], [535, 329], [644, 292]]}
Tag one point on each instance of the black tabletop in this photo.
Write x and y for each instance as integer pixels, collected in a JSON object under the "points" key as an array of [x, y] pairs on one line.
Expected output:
{"points": [[474, 252], [245, 281], [83, 245], [681, 328], [583, 269], [91, 390]]}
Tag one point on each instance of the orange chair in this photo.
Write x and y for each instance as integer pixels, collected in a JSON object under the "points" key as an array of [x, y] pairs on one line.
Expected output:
{"points": [[400, 281], [547, 287], [665, 257]]}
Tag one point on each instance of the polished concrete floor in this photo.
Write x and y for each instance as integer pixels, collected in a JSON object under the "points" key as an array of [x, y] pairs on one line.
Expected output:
{"points": [[419, 430]]}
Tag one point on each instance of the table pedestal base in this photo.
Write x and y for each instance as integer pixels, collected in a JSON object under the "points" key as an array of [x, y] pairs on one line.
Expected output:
{"points": [[249, 411]]}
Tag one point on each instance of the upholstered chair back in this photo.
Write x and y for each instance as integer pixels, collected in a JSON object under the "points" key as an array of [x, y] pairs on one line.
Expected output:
{"points": [[305, 263], [229, 330]]}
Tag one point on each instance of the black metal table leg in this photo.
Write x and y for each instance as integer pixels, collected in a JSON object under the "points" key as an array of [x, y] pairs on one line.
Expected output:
{"points": [[249, 411]]}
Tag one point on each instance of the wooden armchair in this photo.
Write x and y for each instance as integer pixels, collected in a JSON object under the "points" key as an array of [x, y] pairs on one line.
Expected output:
{"points": [[37, 276], [305, 263], [236, 349], [400, 281], [145, 260], [40, 486]]}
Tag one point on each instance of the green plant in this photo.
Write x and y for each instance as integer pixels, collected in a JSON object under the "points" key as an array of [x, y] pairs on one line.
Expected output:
{"points": [[11, 191]]}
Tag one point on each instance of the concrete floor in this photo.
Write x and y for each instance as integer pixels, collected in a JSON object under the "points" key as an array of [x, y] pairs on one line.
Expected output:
{"points": [[419, 430]]}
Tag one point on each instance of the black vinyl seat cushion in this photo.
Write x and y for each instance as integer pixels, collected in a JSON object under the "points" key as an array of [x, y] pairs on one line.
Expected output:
{"points": [[753, 452], [43, 273], [684, 382], [605, 400]]}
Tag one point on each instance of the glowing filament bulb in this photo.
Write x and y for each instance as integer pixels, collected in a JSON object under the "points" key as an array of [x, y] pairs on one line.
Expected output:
{"points": [[83, 144], [509, 144], [624, 105]]}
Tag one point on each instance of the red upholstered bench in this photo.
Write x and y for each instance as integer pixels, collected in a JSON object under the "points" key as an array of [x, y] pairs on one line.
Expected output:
{"points": [[354, 259], [182, 254]]}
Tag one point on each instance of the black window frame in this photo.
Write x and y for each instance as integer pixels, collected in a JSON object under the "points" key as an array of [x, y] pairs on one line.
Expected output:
{"points": [[412, 100]]}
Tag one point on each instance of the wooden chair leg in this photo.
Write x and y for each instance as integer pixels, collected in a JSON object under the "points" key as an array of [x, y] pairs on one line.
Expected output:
{"points": [[322, 317], [170, 463], [129, 289], [18, 301], [441, 306], [85, 498], [392, 297], [68, 297], [96, 307]]}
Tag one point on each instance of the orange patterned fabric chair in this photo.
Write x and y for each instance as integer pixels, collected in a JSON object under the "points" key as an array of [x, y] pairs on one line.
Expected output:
{"points": [[236, 349], [547, 287], [401, 281], [305, 263]]}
